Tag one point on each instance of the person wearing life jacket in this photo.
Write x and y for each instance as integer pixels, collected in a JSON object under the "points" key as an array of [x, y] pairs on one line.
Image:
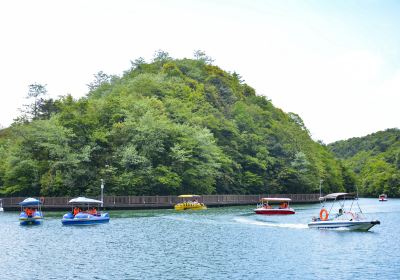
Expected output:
{"points": [[93, 211], [76, 211], [29, 212]]}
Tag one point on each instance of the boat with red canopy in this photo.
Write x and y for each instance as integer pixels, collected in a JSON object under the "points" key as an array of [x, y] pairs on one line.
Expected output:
{"points": [[265, 207], [383, 197]]}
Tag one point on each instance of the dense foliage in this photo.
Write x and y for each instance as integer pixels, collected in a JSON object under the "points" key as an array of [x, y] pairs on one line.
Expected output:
{"points": [[375, 159], [165, 127]]}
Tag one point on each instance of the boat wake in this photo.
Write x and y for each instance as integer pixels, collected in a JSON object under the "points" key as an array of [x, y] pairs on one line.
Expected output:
{"points": [[191, 220], [269, 224]]}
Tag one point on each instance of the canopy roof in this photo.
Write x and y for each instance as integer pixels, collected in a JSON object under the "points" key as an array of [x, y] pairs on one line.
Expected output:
{"points": [[189, 195], [84, 200], [276, 199], [339, 196], [30, 202]]}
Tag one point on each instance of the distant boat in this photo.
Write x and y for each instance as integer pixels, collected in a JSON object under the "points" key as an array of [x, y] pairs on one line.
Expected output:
{"points": [[351, 218], [383, 197], [190, 202], [85, 212], [1, 205], [31, 212], [265, 208]]}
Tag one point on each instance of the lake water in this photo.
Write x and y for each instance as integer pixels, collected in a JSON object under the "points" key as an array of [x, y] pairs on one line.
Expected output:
{"points": [[219, 243]]}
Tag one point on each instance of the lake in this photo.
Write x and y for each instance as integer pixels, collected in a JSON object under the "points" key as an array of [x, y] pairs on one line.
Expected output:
{"points": [[218, 243]]}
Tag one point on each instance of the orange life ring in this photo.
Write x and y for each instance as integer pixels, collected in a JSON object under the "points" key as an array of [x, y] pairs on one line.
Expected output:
{"points": [[323, 214]]}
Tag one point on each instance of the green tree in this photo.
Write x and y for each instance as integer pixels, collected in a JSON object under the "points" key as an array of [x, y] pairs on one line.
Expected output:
{"points": [[35, 92]]}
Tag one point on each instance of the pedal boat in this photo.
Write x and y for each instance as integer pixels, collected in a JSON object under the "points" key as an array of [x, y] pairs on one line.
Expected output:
{"points": [[265, 208], [189, 202], [383, 197], [90, 216], [31, 212], [338, 217]]}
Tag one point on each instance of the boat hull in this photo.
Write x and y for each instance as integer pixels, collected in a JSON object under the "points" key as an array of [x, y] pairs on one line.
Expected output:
{"points": [[182, 207], [264, 211], [84, 219], [350, 225], [25, 220]]}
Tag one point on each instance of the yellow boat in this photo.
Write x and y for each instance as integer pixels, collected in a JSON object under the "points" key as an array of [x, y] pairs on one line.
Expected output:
{"points": [[190, 202]]}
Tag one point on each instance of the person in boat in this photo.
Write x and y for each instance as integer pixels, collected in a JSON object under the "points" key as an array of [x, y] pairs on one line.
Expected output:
{"points": [[29, 211], [76, 211], [93, 211], [283, 205], [340, 213]]}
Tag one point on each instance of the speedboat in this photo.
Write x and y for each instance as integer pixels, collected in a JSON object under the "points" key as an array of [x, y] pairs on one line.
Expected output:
{"points": [[264, 207], [340, 217], [31, 212], [383, 197], [190, 202], [85, 212]]}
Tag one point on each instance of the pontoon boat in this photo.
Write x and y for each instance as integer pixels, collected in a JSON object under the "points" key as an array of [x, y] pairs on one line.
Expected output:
{"points": [[85, 212], [383, 197], [190, 202], [31, 212], [265, 208]]}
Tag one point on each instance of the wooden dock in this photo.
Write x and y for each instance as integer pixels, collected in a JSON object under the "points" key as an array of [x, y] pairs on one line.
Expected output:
{"points": [[158, 202]]}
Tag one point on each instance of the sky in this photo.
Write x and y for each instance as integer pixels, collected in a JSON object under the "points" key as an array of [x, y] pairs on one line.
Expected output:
{"points": [[335, 63]]}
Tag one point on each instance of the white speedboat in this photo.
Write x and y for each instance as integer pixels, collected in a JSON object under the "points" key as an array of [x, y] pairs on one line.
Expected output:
{"points": [[338, 216]]}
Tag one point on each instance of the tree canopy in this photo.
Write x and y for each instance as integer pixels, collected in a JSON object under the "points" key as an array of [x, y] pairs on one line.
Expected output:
{"points": [[375, 160], [166, 127]]}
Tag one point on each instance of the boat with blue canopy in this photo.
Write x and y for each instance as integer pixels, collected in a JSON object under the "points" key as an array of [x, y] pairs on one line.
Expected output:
{"points": [[31, 212], [85, 212]]}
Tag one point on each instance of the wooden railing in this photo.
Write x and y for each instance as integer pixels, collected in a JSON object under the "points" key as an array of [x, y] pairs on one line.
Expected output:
{"points": [[137, 202]]}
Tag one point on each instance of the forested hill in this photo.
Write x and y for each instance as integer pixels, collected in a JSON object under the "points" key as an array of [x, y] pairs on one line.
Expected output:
{"points": [[375, 159], [166, 127]]}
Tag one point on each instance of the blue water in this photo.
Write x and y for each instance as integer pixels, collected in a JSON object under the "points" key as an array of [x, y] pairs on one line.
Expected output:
{"points": [[219, 243]]}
